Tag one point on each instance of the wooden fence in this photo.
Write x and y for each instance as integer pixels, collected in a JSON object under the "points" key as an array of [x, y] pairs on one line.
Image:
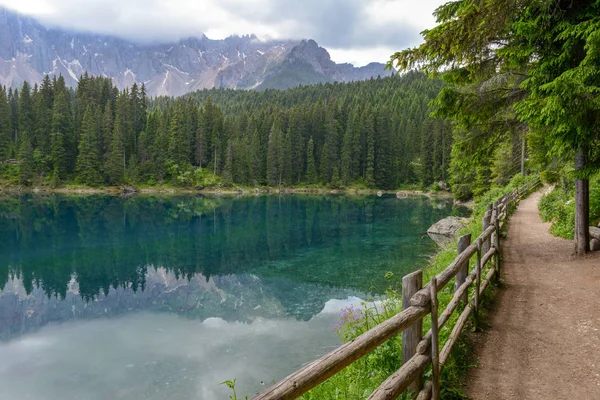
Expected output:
{"points": [[418, 351]]}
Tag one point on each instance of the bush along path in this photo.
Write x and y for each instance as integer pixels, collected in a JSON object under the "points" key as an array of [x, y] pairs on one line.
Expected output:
{"points": [[544, 339]]}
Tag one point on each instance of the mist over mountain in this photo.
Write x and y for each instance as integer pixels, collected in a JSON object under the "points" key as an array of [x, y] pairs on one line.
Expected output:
{"points": [[28, 51]]}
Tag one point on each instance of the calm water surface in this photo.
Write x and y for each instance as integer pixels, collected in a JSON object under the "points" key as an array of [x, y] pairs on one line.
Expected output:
{"points": [[165, 297]]}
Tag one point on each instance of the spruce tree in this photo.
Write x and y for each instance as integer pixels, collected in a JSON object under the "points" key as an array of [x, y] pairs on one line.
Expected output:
{"points": [[5, 126], [227, 169], [43, 121], [106, 132], [25, 160], [369, 127], [275, 154], [88, 161], [115, 161], [311, 169], [60, 129], [346, 157], [178, 148], [26, 115]]}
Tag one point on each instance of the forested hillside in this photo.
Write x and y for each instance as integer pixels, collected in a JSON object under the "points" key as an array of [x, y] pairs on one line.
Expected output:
{"points": [[376, 134]]}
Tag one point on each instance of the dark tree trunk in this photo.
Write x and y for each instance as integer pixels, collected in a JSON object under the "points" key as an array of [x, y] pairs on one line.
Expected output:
{"points": [[582, 206], [523, 156]]}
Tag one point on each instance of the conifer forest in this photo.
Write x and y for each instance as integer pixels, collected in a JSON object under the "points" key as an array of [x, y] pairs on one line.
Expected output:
{"points": [[371, 134]]}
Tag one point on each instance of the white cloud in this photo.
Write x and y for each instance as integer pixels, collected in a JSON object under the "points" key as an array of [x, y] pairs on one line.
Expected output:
{"points": [[356, 31], [361, 57]]}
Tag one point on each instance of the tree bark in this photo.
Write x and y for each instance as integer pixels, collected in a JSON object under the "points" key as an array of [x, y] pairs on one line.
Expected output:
{"points": [[523, 156], [582, 205]]}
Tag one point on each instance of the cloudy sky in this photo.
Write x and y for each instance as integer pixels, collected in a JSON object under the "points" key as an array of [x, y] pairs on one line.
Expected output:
{"points": [[356, 31]]}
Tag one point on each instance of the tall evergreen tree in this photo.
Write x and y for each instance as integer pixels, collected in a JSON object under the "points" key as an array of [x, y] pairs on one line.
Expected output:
{"points": [[43, 120], [26, 112], [5, 126], [61, 125], [369, 129], [275, 154], [115, 161], [311, 169], [106, 132], [88, 161], [25, 160]]}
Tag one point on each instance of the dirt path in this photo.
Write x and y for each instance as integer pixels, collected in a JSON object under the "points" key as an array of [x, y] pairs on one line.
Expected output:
{"points": [[544, 340]]}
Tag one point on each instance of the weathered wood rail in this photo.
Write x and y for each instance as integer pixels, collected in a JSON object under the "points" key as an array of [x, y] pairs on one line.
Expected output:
{"points": [[418, 351]]}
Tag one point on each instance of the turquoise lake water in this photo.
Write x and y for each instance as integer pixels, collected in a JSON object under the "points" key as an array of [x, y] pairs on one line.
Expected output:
{"points": [[104, 297]]}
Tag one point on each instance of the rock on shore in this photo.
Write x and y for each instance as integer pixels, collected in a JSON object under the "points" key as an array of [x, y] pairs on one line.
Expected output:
{"points": [[443, 231]]}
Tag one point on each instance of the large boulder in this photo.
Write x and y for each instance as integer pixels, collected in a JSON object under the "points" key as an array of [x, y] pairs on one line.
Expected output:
{"points": [[594, 245], [443, 231], [594, 233]]}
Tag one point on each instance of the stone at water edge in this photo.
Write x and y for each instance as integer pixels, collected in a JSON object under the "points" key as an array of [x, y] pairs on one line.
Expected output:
{"points": [[594, 245], [443, 231]]}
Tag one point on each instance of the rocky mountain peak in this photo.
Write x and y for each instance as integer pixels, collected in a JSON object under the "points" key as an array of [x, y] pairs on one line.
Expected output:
{"points": [[28, 51]]}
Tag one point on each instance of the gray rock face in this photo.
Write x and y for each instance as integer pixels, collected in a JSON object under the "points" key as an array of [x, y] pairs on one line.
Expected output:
{"points": [[595, 245], [28, 51], [443, 231]]}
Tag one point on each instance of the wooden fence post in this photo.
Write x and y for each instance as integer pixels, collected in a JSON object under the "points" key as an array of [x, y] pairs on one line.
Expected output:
{"points": [[485, 223], [461, 275], [435, 351], [493, 221], [497, 246], [411, 337]]}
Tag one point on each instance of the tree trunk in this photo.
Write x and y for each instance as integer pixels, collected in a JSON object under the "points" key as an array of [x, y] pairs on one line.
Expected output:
{"points": [[582, 205], [523, 156], [215, 165]]}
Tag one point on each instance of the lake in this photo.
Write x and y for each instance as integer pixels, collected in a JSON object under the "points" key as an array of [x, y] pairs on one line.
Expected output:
{"points": [[153, 297]]}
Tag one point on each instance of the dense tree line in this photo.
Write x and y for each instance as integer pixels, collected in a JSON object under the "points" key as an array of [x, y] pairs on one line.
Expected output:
{"points": [[375, 133]]}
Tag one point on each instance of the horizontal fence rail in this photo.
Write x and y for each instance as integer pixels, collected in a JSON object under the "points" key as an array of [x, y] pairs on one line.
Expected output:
{"points": [[419, 352]]}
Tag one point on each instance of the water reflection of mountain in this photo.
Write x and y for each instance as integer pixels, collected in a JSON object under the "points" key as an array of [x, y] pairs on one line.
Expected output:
{"points": [[290, 245], [243, 298]]}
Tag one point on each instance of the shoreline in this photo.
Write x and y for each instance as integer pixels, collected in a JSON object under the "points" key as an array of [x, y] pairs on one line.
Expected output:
{"points": [[134, 191]]}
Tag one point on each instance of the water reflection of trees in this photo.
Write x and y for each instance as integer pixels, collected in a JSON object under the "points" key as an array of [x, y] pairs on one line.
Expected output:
{"points": [[109, 241]]}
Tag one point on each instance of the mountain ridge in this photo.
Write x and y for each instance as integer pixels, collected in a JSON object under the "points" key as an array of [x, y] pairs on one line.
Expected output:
{"points": [[28, 51]]}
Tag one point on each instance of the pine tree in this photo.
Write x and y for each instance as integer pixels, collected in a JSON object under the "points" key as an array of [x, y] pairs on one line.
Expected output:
{"points": [[227, 169], [370, 136], [346, 158], [115, 161], [275, 154], [178, 148], [5, 126], [65, 120], [25, 160], [330, 153], [60, 130], [106, 132], [159, 155], [25, 112], [311, 169], [43, 121], [88, 161]]}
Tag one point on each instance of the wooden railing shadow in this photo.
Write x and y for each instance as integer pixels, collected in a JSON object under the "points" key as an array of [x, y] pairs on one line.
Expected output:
{"points": [[418, 351]]}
